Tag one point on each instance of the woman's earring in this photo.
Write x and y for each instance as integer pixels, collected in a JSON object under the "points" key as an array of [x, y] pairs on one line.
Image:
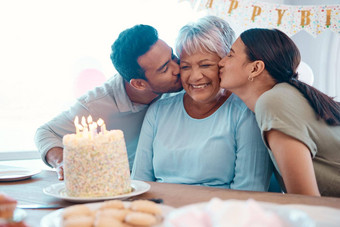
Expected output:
{"points": [[250, 78]]}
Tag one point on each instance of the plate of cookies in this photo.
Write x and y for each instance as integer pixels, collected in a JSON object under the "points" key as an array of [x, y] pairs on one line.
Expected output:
{"points": [[109, 213], [59, 191]]}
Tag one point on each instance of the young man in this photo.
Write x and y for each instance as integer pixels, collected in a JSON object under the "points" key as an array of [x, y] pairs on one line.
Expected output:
{"points": [[147, 68]]}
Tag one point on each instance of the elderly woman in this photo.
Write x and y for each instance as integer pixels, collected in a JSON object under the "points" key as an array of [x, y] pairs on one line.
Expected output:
{"points": [[205, 135], [299, 124]]}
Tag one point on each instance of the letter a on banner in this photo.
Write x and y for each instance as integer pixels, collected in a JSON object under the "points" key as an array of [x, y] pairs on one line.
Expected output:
{"points": [[209, 3], [256, 12]]}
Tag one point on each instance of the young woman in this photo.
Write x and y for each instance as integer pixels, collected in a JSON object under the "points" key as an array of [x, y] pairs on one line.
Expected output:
{"points": [[205, 135], [299, 124]]}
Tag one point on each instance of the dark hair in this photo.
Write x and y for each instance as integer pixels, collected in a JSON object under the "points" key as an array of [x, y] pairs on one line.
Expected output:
{"points": [[129, 46], [281, 58]]}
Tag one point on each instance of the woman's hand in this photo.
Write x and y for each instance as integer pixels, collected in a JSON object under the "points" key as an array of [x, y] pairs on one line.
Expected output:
{"points": [[294, 162], [55, 158]]}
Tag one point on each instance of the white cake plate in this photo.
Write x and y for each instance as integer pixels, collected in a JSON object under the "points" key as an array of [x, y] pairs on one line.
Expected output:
{"points": [[58, 191]]}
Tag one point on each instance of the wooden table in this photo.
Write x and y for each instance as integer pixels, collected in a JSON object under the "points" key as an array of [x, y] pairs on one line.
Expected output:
{"points": [[31, 191]]}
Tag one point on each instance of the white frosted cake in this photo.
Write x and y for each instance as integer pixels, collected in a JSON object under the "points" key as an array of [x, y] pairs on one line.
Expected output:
{"points": [[96, 165]]}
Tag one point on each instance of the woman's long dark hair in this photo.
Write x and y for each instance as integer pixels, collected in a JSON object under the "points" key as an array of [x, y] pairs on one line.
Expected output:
{"points": [[281, 58]]}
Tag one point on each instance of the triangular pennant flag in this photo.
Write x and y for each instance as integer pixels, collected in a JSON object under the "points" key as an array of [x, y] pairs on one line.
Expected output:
{"points": [[192, 2]]}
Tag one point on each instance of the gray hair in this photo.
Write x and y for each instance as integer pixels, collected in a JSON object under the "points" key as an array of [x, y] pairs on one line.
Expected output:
{"points": [[209, 33]]}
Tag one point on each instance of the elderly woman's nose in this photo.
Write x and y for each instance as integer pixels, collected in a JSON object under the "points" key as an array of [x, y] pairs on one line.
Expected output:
{"points": [[196, 74]]}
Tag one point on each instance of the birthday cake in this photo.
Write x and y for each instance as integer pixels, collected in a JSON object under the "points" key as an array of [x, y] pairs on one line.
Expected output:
{"points": [[95, 164]]}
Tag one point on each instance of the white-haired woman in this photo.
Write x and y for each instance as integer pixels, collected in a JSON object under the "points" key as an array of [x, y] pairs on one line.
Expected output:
{"points": [[205, 135]]}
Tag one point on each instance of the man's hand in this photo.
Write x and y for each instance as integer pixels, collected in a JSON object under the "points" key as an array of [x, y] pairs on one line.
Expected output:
{"points": [[55, 158]]}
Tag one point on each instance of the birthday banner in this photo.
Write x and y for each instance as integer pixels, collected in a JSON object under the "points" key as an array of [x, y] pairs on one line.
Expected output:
{"points": [[288, 18]]}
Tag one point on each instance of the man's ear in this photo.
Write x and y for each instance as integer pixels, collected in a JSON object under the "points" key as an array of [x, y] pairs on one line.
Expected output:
{"points": [[139, 84], [257, 67]]}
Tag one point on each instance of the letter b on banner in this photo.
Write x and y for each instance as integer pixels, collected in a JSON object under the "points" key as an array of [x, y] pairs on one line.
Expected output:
{"points": [[305, 20]]}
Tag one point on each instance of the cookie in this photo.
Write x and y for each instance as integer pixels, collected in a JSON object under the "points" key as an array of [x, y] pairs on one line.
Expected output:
{"points": [[146, 206], [140, 219], [107, 221], [76, 221], [118, 204], [76, 210], [118, 214]]}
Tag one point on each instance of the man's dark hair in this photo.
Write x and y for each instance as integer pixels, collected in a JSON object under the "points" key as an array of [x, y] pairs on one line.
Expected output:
{"points": [[129, 46]]}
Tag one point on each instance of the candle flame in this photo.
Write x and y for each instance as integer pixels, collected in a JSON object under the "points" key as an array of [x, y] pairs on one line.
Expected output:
{"points": [[89, 127], [89, 119], [77, 125], [83, 121], [76, 121], [100, 122]]}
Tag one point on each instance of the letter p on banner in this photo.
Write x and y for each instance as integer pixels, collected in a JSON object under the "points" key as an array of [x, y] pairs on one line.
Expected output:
{"points": [[233, 5], [256, 12]]}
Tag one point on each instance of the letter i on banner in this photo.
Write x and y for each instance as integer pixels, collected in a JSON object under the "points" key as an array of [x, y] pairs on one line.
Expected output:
{"points": [[328, 19], [233, 5], [256, 12]]}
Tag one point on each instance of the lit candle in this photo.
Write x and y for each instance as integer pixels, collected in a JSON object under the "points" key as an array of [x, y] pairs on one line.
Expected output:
{"points": [[94, 129], [92, 126], [102, 125], [83, 122], [89, 119], [79, 129], [76, 123]]}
